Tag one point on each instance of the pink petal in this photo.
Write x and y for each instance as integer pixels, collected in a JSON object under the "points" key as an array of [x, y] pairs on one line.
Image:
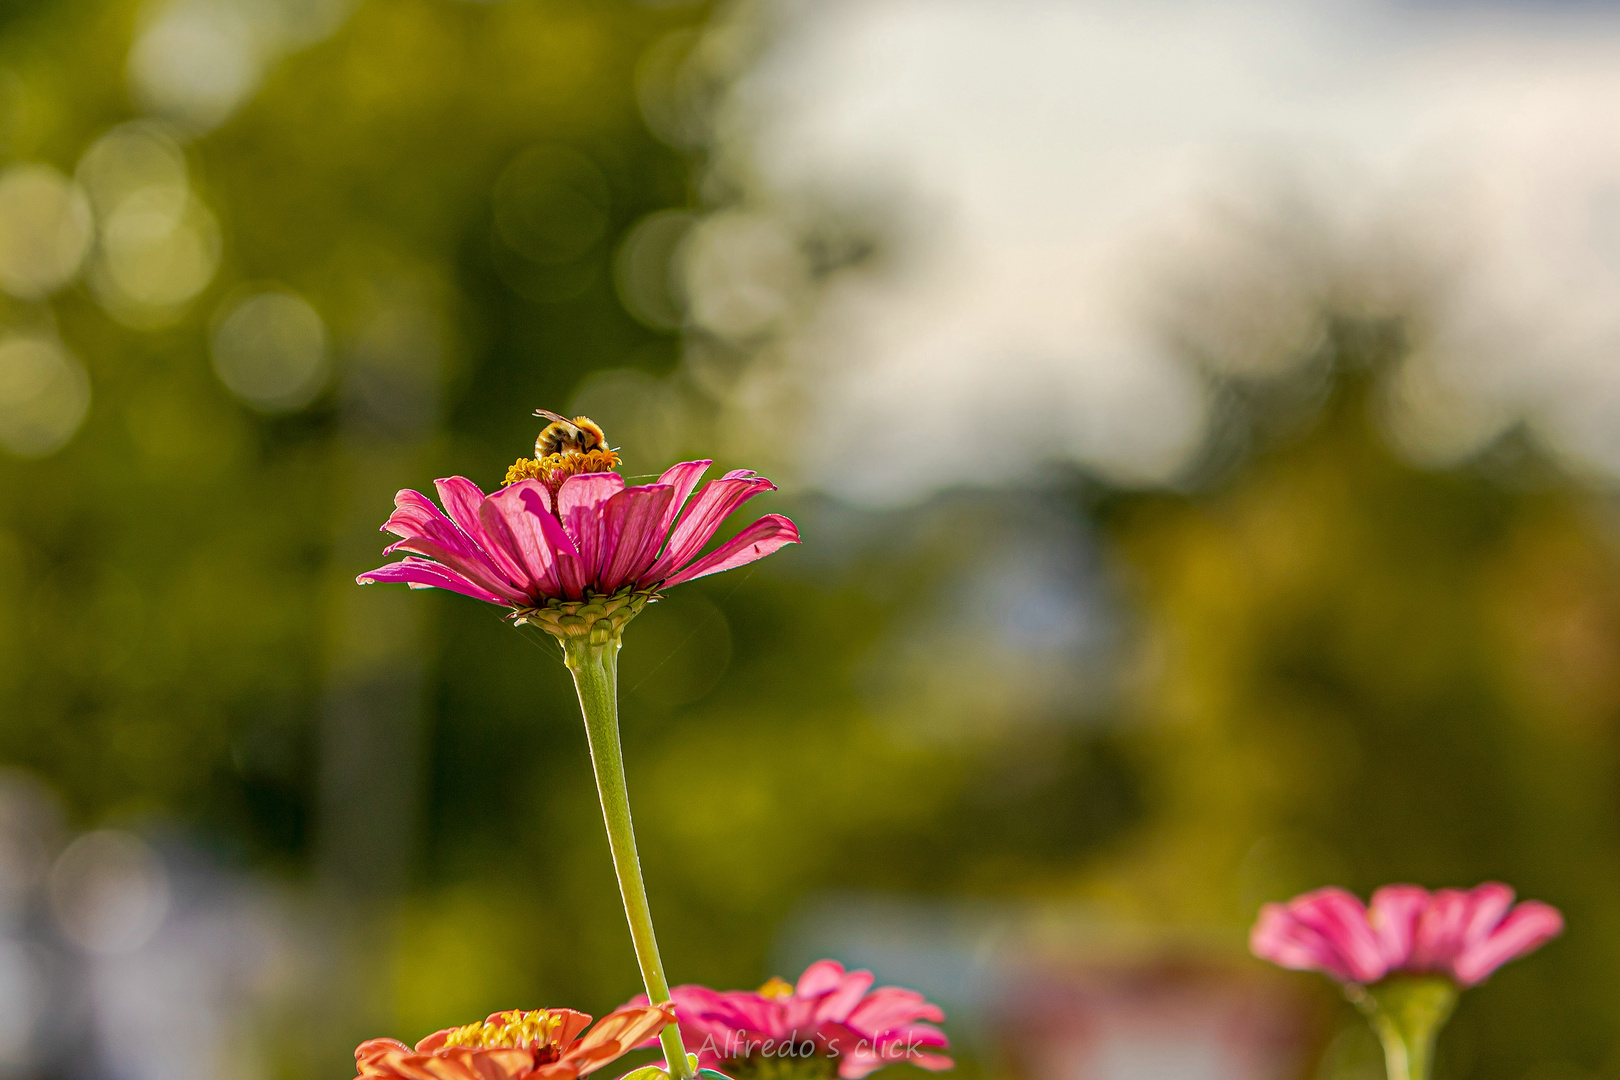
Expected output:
{"points": [[462, 499], [920, 1034], [708, 511], [758, 1016], [702, 1017], [1279, 937], [1394, 913], [795, 1017], [517, 521], [856, 1061], [1526, 929], [837, 1005], [476, 570], [580, 503], [683, 478], [421, 574], [1326, 930], [1488, 904], [428, 532], [855, 1064], [424, 530], [758, 540], [631, 520], [819, 978], [891, 1006], [415, 515], [1342, 920], [1439, 938]]}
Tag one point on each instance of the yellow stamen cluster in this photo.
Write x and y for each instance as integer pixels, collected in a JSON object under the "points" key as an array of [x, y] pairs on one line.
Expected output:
{"points": [[776, 987], [553, 469], [523, 1030]]}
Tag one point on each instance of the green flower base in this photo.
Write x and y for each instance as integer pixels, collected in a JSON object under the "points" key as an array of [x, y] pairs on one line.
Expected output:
{"points": [[598, 619]]}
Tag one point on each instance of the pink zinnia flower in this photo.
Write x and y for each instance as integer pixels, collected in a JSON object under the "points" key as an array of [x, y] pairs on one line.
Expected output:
{"points": [[565, 535], [831, 1014], [544, 1044], [1463, 934]]}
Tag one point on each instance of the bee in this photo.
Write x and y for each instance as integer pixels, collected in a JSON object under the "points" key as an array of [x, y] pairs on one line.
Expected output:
{"points": [[564, 435]]}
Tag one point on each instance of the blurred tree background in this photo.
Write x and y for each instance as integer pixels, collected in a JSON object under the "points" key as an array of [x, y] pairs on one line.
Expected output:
{"points": [[261, 308]]}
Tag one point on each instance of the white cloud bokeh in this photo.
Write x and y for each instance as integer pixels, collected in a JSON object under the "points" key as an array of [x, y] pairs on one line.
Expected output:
{"points": [[1064, 174]]}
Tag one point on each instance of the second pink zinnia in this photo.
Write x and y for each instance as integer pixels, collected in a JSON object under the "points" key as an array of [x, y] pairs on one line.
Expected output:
{"points": [[1465, 934]]}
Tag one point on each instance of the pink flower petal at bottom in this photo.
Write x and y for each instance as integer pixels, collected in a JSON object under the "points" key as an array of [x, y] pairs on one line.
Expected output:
{"points": [[878, 1027], [1488, 904], [855, 1069], [1285, 941]]}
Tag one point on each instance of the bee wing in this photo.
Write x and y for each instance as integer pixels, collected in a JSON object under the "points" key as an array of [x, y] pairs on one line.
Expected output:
{"points": [[549, 415]]}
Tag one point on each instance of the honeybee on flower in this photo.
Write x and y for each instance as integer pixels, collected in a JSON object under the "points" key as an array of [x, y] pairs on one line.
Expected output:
{"points": [[562, 435]]}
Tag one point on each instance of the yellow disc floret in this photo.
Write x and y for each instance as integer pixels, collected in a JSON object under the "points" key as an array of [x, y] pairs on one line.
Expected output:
{"points": [[553, 469], [776, 987], [534, 1030]]}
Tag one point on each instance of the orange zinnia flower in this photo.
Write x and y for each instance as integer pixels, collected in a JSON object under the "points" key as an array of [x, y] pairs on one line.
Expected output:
{"points": [[543, 1044]]}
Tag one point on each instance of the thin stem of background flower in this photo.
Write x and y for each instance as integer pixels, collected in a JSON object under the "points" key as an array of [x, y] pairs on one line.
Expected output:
{"points": [[595, 668], [1407, 1013]]}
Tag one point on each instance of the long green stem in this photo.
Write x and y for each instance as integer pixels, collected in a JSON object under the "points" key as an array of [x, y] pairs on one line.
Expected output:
{"points": [[1407, 1012], [596, 676]]}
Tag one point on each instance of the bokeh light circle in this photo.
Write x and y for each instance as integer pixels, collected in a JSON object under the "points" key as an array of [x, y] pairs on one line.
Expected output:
{"points": [[196, 62], [45, 230], [270, 349], [44, 395], [128, 158], [551, 204], [644, 269], [109, 892], [160, 247], [742, 272]]}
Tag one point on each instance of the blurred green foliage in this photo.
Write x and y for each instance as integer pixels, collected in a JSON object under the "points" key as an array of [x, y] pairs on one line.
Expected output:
{"points": [[1333, 667]]}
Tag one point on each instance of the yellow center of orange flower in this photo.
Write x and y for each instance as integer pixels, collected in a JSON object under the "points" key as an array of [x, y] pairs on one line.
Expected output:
{"points": [[521, 1030], [776, 987]]}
